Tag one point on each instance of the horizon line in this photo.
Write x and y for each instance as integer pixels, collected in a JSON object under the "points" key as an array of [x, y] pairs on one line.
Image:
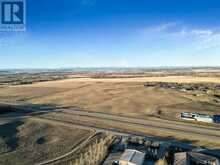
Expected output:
{"points": [[106, 67]]}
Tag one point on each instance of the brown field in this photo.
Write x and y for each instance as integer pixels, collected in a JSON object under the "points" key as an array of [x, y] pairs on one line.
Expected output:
{"points": [[125, 96], [29, 141], [120, 96], [178, 79]]}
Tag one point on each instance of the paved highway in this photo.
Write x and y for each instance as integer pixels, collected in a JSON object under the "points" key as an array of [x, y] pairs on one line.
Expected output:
{"points": [[127, 126], [115, 131], [192, 131]]}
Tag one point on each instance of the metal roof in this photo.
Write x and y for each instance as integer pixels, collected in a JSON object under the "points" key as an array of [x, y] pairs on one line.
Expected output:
{"points": [[202, 158], [133, 156]]}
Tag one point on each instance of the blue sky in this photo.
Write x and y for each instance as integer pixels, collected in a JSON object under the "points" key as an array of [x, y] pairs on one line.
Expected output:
{"points": [[117, 33]]}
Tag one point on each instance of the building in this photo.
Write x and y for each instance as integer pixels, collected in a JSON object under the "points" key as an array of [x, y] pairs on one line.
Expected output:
{"points": [[204, 118], [132, 157], [187, 116], [200, 117], [180, 158], [190, 158], [198, 158]]}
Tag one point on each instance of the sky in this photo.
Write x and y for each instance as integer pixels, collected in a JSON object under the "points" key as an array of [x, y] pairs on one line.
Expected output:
{"points": [[115, 33]]}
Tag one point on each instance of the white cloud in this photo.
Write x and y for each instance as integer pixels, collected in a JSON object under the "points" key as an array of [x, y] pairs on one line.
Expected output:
{"points": [[159, 28], [165, 26], [210, 41], [202, 32], [176, 33], [201, 38], [195, 33]]}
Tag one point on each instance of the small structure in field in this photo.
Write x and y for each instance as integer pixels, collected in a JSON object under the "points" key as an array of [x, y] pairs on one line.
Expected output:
{"points": [[132, 157]]}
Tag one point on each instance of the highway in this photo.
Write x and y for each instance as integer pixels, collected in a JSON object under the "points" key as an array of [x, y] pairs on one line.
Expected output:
{"points": [[127, 126], [119, 132], [102, 120], [161, 126]]}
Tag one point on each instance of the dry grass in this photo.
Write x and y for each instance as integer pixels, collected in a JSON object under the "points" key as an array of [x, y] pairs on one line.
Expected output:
{"points": [[161, 162], [30, 141], [181, 135], [178, 79], [126, 96]]}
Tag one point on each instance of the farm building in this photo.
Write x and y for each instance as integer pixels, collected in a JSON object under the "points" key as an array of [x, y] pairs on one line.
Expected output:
{"points": [[132, 157]]}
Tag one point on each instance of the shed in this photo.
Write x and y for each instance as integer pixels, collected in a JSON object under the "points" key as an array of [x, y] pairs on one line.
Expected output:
{"points": [[132, 157]]}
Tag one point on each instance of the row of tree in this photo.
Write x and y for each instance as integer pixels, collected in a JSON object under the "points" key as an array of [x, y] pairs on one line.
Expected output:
{"points": [[96, 152]]}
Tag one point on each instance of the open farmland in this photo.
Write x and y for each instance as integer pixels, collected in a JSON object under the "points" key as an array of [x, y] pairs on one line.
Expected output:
{"points": [[125, 96], [154, 99]]}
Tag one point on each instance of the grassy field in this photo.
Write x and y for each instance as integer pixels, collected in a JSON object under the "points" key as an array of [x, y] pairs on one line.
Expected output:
{"points": [[28, 141], [179, 79], [125, 96], [120, 96]]}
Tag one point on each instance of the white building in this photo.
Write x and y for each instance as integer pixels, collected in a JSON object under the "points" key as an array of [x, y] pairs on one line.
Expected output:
{"points": [[132, 157], [204, 118], [197, 117]]}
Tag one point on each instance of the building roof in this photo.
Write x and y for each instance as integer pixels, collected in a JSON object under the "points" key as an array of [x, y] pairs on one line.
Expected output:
{"points": [[180, 158], [202, 157], [133, 156]]}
